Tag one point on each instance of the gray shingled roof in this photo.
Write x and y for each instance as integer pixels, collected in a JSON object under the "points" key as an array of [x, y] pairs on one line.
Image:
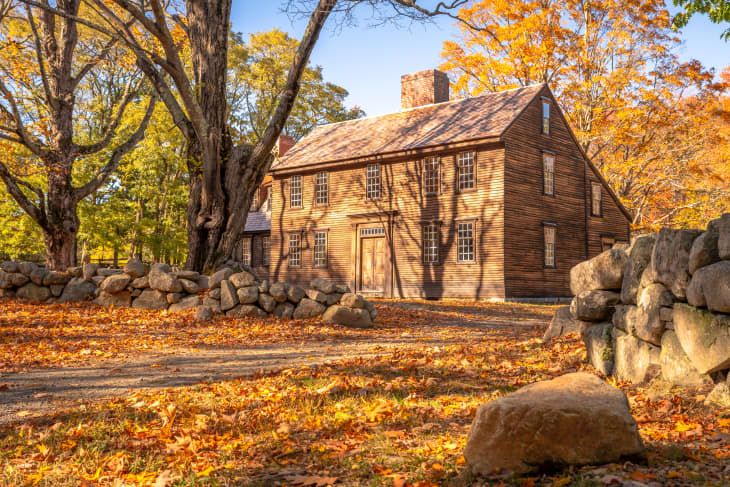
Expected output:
{"points": [[258, 221], [460, 120]]}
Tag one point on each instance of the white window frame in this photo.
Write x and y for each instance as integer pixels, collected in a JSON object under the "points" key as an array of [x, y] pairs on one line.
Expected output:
{"points": [[432, 175], [294, 258], [430, 243], [550, 233], [548, 173], [466, 241], [266, 250], [246, 250], [295, 192], [598, 201], [372, 181], [320, 248], [466, 170], [321, 188]]}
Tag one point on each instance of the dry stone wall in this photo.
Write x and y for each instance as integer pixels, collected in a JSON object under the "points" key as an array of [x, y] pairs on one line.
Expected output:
{"points": [[232, 290], [657, 307]]}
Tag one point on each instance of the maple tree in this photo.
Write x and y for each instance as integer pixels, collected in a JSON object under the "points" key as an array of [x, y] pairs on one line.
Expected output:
{"points": [[717, 10], [47, 61], [639, 113]]}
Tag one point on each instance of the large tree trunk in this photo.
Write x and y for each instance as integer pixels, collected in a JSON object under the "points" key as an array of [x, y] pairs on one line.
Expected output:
{"points": [[62, 223]]}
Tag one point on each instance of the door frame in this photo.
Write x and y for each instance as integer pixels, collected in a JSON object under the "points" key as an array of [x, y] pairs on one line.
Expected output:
{"points": [[377, 219]]}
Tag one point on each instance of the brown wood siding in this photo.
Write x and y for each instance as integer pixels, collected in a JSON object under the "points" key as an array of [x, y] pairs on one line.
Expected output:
{"points": [[257, 254], [527, 208], [611, 223], [401, 194]]}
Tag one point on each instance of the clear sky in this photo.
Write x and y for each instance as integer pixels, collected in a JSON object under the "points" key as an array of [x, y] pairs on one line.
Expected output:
{"points": [[368, 61]]}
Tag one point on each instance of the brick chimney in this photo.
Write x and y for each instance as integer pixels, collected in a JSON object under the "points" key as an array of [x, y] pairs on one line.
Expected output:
{"points": [[423, 88], [283, 144]]}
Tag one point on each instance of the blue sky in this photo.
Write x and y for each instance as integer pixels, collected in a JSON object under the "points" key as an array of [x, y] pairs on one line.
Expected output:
{"points": [[368, 61]]}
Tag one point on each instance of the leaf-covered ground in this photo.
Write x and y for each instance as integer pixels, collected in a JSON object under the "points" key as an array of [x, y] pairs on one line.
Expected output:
{"points": [[397, 419]]}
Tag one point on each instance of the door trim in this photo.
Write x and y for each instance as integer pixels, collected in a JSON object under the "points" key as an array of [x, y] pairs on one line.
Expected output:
{"points": [[370, 220]]}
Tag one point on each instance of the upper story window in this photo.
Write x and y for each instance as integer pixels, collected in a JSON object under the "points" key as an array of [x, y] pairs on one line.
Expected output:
{"points": [[549, 236], [548, 173], [246, 251], [545, 117], [430, 243], [465, 164], [266, 250], [596, 196], [320, 249], [295, 192], [465, 242], [431, 175], [372, 187], [295, 250], [321, 189], [266, 206]]}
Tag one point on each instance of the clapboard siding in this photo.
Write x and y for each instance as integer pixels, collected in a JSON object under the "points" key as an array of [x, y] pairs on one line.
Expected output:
{"points": [[402, 193]]}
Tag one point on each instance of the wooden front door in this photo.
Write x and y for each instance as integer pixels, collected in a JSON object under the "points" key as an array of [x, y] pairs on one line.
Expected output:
{"points": [[372, 264]]}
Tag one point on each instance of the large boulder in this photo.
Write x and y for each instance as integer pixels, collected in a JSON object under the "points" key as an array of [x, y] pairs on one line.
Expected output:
{"points": [[561, 324], [279, 291], [353, 317], [598, 340], [719, 396], [723, 240], [161, 267], [135, 268], [151, 299], [242, 279], [89, 270], [78, 289], [710, 287], [634, 360], [248, 294], [190, 302], [120, 298], [174, 298], [229, 297], [576, 419], [595, 305], [33, 292], [648, 324], [27, 268], [333, 298], [9, 266], [284, 310], [190, 287], [212, 303], [603, 272], [164, 281], [676, 367], [108, 271], [323, 285], [214, 281], [38, 274], [189, 275], [295, 294], [670, 259], [266, 302], [114, 284], [352, 301], [140, 283], [203, 313], [308, 308], [247, 311], [624, 317], [639, 258], [17, 279], [5, 280], [54, 278], [203, 282], [316, 295], [704, 336], [704, 249]]}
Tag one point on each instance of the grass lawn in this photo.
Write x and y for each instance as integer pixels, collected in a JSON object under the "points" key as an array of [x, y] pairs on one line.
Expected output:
{"points": [[394, 420]]}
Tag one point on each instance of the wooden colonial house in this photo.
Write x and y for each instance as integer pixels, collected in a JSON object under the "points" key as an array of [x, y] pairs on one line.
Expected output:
{"points": [[486, 197]]}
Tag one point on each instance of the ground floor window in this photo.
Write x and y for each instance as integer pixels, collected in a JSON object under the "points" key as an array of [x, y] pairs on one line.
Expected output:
{"points": [[295, 250], [465, 242], [320, 249], [265, 249], [430, 243], [549, 232], [246, 251]]}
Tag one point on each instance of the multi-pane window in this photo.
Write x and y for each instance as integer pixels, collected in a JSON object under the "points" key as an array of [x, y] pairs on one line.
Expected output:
{"points": [[295, 191], [321, 189], [267, 202], [431, 175], [465, 242], [548, 173], [295, 250], [549, 231], [265, 249], [465, 162], [546, 117], [372, 188], [430, 243], [246, 251], [320, 249], [596, 199], [607, 243]]}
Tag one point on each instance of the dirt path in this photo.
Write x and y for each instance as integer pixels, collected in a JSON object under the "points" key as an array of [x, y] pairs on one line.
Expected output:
{"points": [[42, 391]]}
